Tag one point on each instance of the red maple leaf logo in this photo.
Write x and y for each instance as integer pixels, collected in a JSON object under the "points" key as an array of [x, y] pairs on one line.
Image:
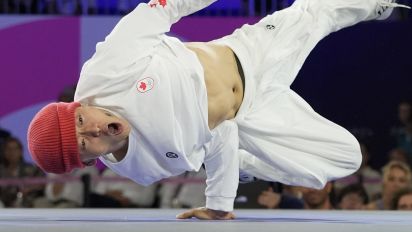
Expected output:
{"points": [[142, 86], [154, 3], [163, 3], [145, 84]]}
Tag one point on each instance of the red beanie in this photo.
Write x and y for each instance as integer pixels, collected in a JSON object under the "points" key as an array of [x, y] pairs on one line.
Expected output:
{"points": [[52, 138]]}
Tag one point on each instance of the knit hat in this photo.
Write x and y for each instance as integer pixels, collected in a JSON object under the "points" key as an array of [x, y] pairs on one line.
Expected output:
{"points": [[52, 138]]}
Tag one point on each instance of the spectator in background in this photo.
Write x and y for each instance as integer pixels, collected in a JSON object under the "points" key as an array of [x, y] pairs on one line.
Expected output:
{"points": [[126, 193], [3, 136], [293, 191], [352, 197], [68, 194], [402, 199], [286, 200], [366, 176], [318, 199], [184, 195], [403, 134], [14, 166], [19, 6], [396, 175], [264, 7], [398, 154]]}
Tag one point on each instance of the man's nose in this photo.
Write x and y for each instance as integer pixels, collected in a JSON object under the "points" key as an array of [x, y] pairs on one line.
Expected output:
{"points": [[92, 130]]}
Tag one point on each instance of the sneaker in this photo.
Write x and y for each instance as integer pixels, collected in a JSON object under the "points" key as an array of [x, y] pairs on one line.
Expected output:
{"points": [[385, 8], [245, 178]]}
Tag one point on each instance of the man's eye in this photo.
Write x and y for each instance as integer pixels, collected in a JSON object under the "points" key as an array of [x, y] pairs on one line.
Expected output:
{"points": [[80, 120]]}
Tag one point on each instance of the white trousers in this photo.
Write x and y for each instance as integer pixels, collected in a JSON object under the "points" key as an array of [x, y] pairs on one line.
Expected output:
{"points": [[281, 138]]}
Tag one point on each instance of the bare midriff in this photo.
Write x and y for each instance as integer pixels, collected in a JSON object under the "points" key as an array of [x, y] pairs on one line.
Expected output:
{"points": [[222, 78]]}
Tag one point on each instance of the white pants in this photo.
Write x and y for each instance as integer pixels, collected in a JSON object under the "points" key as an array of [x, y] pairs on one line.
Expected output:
{"points": [[281, 137]]}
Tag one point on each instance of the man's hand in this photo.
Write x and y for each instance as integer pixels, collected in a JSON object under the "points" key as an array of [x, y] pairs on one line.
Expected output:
{"points": [[206, 214]]}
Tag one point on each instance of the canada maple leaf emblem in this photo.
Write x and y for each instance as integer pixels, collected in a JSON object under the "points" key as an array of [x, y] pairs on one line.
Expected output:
{"points": [[145, 84], [154, 3], [142, 86], [162, 3]]}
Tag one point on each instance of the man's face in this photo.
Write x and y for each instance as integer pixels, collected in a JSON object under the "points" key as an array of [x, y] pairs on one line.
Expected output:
{"points": [[99, 132], [351, 201], [13, 152], [405, 202], [395, 180], [316, 198]]}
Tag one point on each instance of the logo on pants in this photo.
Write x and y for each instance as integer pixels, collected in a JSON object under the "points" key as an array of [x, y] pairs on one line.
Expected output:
{"points": [[270, 27], [171, 155]]}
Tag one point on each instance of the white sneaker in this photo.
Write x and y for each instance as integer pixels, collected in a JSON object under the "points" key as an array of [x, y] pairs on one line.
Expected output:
{"points": [[245, 178], [385, 8]]}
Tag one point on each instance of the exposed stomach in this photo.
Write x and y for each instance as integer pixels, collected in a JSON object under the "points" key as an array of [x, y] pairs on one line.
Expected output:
{"points": [[223, 83]]}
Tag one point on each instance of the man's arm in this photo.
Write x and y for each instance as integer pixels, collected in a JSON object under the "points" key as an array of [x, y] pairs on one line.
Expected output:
{"points": [[136, 36], [222, 169], [142, 27]]}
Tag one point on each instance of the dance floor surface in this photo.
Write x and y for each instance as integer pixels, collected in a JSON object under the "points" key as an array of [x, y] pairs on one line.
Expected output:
{"points": [[152, 220]]}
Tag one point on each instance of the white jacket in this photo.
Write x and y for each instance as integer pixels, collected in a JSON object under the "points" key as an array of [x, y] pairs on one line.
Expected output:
{"points": [[157, 84]]}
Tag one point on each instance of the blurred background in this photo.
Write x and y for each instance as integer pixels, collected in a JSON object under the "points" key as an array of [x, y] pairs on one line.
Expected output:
{"points": [[359, 77]]}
